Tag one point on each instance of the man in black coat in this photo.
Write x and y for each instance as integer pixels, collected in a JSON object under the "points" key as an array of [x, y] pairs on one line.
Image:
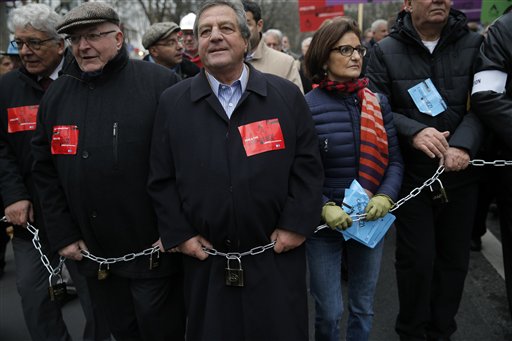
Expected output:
{"points": [[492, 101], [42, 54], [431, 42], [91, 151], [235, 167]]}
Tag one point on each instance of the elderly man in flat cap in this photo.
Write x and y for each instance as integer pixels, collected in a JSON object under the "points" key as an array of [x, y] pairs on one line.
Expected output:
{"points": [[91, 151], [43, 56], [165, 47]]}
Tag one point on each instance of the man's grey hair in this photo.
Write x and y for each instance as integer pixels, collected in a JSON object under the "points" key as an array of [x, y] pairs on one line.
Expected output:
{"points": [[239, 12], [38, 16], [276, 33], [377, 23]]}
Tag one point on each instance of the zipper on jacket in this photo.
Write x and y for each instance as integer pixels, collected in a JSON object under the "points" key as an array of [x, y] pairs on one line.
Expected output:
{"points": [[115, 141]]}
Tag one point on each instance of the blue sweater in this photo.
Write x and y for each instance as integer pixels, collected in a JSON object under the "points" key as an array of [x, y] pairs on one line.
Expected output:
{"points": [[337, 122]]}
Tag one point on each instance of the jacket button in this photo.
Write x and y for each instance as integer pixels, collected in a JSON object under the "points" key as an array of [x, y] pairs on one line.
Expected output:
{"points": [[85, 154], [94, 214]]}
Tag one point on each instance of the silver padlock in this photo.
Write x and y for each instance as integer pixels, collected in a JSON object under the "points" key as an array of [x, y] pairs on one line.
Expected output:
{"points": [[234, 276]]}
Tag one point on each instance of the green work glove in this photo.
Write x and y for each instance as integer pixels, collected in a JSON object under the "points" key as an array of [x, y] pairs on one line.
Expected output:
{"points": [[378, 206], [334, 216]]}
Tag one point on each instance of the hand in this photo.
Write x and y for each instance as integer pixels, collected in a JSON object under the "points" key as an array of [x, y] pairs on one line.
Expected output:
{"points": [[456, 159], [194, 247], [73, 251], [286, 240], [378, 207], [335, 217], [20, 213], [432, 142], [159, 244]]}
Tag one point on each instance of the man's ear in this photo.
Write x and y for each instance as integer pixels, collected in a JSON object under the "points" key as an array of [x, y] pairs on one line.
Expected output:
{"points": [[259, 25]]}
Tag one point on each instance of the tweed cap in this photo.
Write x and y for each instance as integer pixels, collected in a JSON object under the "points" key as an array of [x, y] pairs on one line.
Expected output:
{"points": [[157, 32], [88, 13]]}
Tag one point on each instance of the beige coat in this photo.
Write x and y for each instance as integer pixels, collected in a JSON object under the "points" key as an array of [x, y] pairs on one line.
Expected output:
{"points": [[267, 60]]}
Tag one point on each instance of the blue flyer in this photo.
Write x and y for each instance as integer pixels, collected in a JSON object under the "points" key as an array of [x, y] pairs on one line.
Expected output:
{"points": [[427, 98], [368, 233]]}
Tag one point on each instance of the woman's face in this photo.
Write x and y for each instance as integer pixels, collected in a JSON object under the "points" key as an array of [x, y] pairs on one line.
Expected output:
{"points": [[343, 68]]}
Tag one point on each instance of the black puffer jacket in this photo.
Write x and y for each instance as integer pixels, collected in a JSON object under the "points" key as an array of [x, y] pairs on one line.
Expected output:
{"points": [[400, 61], [98, 194]]}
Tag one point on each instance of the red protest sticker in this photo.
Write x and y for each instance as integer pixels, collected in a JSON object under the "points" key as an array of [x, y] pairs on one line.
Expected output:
{"points": [[65, 140], [262, 136], [22, 118]]}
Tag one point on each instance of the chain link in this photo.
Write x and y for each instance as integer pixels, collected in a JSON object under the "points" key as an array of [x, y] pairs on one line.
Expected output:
{"points": [[37, 245], [236, 255], [126, 258], [497, 163]]}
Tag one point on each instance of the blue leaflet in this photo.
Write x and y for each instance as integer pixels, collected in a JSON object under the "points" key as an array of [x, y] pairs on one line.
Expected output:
{"points": [[427, 98], [368, 233]]}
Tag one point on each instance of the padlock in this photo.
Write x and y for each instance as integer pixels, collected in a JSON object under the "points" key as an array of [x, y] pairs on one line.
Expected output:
{"points": [[234, 277], [439, 195], [154, 260], [103, 272], [57, 291]]}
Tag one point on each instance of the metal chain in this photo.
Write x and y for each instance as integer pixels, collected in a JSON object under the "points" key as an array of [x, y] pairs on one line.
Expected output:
{"points": [[430, 181], [37, 244], [234, 255], [126, 258]]}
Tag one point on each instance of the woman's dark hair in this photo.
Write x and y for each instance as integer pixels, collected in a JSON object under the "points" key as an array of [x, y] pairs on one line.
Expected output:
{"points": [[323, 41]]}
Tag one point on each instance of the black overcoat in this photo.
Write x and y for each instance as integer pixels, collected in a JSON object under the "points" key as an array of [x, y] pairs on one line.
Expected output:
{"points": [[203, 182], [99, 193]]}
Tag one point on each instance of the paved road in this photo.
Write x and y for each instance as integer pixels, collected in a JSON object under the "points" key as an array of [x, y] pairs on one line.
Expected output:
{"points": [[483, 314]]}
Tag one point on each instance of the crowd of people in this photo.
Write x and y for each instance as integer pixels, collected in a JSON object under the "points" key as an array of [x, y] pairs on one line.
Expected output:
{"points": [[183, 191]]}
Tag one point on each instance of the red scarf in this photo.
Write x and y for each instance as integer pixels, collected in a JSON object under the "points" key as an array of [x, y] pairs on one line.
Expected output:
{"points": [[374, 155]]}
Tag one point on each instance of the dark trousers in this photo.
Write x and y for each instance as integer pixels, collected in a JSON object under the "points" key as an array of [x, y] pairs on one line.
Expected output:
{"points": [[43, 317], [141, 309], [432, 256], [486, 195], [504, 201]]}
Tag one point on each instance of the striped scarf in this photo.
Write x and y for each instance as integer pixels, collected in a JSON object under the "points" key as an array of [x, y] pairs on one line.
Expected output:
{"points": [[374, 155]]}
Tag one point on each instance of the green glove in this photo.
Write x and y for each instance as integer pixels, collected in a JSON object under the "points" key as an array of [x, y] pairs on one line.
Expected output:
{"points": [[378, 206], [334, 216]]}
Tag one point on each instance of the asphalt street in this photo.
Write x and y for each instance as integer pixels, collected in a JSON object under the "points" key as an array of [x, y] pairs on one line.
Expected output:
{"points": [[483, 314]]}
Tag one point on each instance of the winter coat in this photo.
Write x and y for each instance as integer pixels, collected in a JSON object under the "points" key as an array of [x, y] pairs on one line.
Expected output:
{"points": [[98, 192], [204, 183], [401, 61], [337, 120]]}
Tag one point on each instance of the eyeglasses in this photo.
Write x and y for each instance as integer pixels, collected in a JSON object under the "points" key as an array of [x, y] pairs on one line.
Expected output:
{"points": [[89, 37], [33, 44], [347, 50], [170, 42]]}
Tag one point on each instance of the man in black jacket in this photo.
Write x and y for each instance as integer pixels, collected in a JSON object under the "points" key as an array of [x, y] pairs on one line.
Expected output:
{"points": [[42, 52], [431, 41], [492, 101], [91, 149], [165, 46]]}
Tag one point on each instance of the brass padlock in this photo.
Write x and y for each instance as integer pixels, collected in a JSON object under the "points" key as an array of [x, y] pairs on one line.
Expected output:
{"points": [[234, 276], [103, 272]]}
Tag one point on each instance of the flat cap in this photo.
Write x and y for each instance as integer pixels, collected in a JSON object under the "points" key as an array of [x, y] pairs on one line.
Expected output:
{"points": [[157, 32], [88, 13]]}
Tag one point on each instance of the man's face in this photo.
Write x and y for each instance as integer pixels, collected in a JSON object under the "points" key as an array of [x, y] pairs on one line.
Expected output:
{"points": [[273, 42], [6, 64], [429, 12], [381, 32], [221, 45], [189, 42], [40, 59], [286, 43], [96, 45], [168, 51], [255, 28]]}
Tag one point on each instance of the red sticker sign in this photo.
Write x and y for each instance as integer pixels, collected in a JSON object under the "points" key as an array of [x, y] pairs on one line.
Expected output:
{"points": [[22, 118], [262, 136], [65, 140]]}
